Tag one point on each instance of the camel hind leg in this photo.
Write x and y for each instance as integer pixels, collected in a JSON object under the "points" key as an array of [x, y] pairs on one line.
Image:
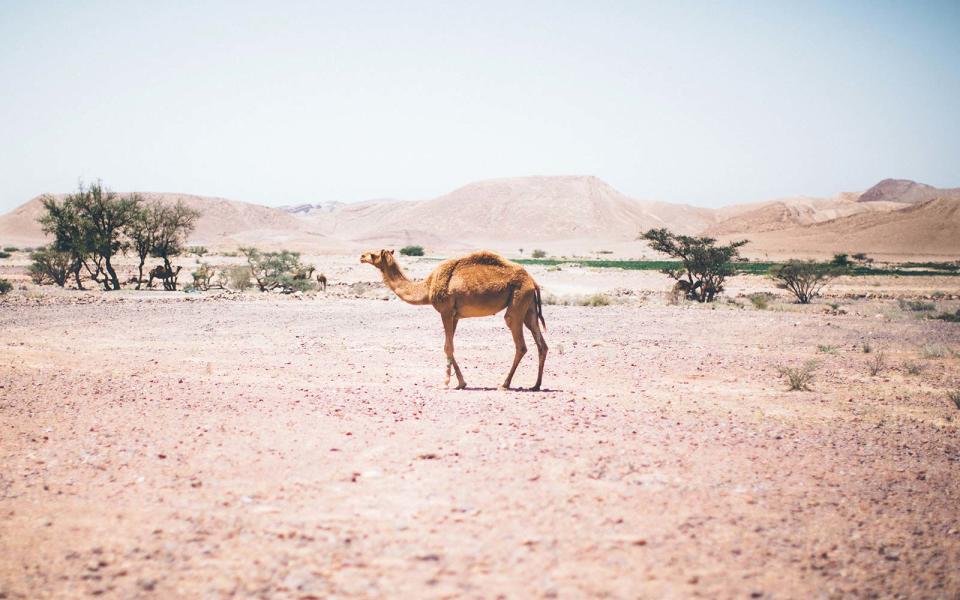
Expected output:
{"points": [[514, 319], [534, 326]]}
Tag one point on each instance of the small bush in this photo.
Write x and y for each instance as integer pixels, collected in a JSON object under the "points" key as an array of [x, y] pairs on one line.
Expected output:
{"points": [[954, 395], [912, 367], [826, 349], [840, 260], [916, 305], [539, 253], [412, 251], [804, 278], [595, 300], [50, 265], [10, 249], [238, 277], [760, 301], [876, 364], [4, 254], [799, 378], [948, 317], [934, 351], [867, 348], [197, 251], [5, 286], [202, 277]]}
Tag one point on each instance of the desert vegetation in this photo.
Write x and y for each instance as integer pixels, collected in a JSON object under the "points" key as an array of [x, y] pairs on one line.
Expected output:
{"points": [[799, 378], [804, 278], [94, 225], [705, 265], [281, 270], [5, 286], [412, 251]]}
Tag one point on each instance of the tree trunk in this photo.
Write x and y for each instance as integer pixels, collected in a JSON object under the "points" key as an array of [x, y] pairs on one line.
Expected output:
{"points": [[114, 280], [143, 259]]}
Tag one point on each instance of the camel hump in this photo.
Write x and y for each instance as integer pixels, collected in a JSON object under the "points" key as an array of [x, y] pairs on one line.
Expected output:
{"points": [[440, 285], [484, 257]]}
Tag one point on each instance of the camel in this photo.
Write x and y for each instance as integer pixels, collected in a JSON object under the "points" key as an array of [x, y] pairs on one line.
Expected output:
{"points": [[322, 281], [161, 272], [476, 285]]}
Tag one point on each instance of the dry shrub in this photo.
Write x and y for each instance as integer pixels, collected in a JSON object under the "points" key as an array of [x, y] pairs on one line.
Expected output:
{"points": [[799, 378]]}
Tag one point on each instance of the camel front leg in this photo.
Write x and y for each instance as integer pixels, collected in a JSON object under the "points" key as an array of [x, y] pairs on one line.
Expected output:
{"points": [[449, 328]]}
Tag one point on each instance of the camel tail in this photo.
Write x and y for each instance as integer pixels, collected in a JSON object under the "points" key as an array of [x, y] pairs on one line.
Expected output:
{"points": [[540, 309]]}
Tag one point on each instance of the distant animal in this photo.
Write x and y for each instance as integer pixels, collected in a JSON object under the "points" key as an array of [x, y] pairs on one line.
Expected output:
{"points": [[476, 285], [304, 273], [163, 273], [322, 281]]}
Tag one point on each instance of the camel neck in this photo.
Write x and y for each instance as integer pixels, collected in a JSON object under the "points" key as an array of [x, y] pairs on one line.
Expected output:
{"points": [[412, 292]]}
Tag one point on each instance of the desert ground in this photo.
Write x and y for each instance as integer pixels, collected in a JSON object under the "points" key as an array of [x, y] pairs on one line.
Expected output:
{"points": [[218, 445]]}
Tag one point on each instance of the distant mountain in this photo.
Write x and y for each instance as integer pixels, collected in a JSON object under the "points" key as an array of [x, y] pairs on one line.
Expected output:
{"points": [[223, 224], [582, 212], [905, 191]]}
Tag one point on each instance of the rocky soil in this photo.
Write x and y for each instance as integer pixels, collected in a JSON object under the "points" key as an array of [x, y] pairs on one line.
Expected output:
{"points": [[163, 446]]}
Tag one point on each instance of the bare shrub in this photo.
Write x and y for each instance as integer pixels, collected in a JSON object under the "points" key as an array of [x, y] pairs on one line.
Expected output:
{"points": [[954, 395], [876, 364], [916, 305], [202, 277], [826, 349], [595, 300], [238, 277], [912, 367], [934, 351], [799, 378]]}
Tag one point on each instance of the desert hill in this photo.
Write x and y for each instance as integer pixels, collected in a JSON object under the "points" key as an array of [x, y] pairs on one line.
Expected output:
{"points": [[223, 224], [930, 228], [568, 214], [904, 191]]}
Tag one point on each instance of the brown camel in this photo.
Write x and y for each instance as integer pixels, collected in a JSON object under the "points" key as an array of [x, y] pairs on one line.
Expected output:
{"points": [[477, 285], [161, 272], [322, 281]]}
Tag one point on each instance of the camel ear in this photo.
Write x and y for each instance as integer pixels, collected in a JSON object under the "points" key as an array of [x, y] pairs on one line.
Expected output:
{"points": [[391, 253], [383, 254]]}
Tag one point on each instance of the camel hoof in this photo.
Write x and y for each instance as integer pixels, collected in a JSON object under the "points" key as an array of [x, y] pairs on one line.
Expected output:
{"points": [[535, 388], [461, 385], [504, 388]]}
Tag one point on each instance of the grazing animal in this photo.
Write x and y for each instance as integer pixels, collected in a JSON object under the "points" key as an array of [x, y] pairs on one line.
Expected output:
{"points": [[304, 273], [161, 272], [322, 281], [476, 285]]}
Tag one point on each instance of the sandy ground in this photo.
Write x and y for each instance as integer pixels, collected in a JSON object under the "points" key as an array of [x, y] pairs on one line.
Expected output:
{"points": [[167, 445]]}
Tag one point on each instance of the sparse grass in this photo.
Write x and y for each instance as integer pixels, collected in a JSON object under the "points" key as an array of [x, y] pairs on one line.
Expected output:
{"points": [[876, 364], [760, 301], [827, 349], [595, 300], [553, 268], [916, 305], [740, 267], [834, 305], [799, 378], [913, 367], [954, 396], [934, 351], [948, 317]]}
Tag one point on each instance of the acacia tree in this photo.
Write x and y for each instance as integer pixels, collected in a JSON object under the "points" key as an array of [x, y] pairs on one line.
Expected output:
{"points": [[704, 265], [50, 264], [90, 226], [271, 270], [142, 232], [173, 224], [804, 278]]}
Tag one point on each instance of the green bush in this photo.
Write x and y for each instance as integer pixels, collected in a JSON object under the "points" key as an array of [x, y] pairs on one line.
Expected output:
{"points": [[50, 265], [705, 265], [804, 278], [760, 301], [412, 251], [539, 253], [5, 286], [4, 254], [840, 260], [10, 249], [916, 305], [277, 270]]}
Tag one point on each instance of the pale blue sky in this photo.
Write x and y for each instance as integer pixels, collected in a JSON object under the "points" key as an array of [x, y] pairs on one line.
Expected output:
{"points": [[286, 102]]}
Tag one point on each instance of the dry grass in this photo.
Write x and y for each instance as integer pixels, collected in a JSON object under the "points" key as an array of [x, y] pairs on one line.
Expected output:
{"points": [[799, 378]]}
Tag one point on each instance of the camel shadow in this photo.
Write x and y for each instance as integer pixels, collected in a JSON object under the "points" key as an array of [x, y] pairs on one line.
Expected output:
{"points": [[496, 389]]}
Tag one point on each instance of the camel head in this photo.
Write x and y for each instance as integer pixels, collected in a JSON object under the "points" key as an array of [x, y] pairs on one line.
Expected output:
{"points": [[378, 259]]}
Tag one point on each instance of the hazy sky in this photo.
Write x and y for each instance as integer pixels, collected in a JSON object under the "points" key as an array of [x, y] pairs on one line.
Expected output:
{"points": [[287, 102]]}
